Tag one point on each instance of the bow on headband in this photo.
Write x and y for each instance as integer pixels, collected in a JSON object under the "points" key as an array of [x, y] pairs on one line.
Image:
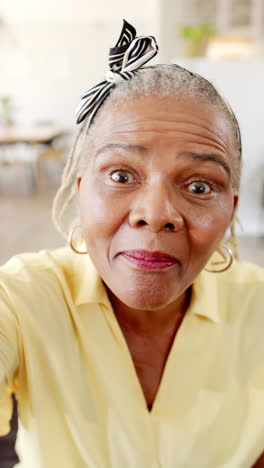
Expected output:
{"points": [[129, 54]]}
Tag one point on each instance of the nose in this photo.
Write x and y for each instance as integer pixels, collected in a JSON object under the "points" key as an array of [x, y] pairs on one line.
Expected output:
{"points": [[156, 207]]}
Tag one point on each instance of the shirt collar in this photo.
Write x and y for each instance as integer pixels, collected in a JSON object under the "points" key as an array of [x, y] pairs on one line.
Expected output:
{"points": [[87, 285], [205, 300]]}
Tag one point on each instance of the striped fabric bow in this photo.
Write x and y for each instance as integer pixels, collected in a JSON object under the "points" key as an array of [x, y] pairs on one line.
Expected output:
{"points": [[129, 54]]}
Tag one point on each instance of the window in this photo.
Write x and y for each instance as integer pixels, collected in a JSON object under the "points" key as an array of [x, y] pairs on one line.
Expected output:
{"points": [[241, 13], [206, 11], [231, 17]]}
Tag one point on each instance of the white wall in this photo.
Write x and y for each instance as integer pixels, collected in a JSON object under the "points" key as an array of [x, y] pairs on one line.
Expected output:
{"points": [[52, 51], [77, 11]]}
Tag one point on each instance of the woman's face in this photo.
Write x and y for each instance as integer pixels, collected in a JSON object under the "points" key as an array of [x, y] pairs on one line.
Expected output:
{"points": [[156, 197]]}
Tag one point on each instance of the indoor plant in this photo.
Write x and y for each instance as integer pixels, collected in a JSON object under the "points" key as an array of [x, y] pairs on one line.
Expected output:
{"points": [[196, 38]]}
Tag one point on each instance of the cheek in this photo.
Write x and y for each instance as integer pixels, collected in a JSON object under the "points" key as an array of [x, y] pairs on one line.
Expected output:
{"points": [[100, 215], [208, 227]]}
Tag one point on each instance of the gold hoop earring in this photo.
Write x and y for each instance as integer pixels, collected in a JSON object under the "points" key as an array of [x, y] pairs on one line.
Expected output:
{"points": [[70, 242], [230, 260]]}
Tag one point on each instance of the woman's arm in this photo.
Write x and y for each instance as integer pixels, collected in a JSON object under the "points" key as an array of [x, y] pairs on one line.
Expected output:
{"points": [[8, 359], [260, 462], [8, 455], [8, 365]]}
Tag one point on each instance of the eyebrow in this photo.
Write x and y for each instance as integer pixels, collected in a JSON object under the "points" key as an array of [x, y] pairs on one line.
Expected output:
{"points": [[208, 157], [188, 154], [123, 146]]}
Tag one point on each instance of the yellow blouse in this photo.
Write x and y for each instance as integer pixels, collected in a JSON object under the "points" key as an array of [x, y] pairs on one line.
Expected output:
{"points": [[80, 401]]}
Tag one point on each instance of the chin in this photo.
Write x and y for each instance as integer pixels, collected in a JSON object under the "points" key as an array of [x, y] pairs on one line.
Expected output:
{"points": [[146, 299], [141, 291]]}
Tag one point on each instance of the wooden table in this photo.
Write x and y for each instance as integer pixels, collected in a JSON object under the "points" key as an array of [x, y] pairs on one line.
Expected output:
{"points": [[33, 136]]}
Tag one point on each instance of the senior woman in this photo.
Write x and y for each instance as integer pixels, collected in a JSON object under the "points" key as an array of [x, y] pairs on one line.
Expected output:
{"points": [[142, 345]]}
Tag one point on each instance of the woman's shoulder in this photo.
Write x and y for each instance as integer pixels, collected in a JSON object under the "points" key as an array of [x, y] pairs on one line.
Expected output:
{"points": [[235, 296], [37, 274], [247, 271], [240, 293], [243, 277], [31, 263]]}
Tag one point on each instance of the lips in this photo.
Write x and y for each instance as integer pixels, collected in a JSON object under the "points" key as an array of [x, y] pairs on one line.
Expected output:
{"points": [[149, 261]]}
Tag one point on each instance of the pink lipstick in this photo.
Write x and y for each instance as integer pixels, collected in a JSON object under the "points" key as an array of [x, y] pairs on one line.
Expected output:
{"points": [[149, 261]]}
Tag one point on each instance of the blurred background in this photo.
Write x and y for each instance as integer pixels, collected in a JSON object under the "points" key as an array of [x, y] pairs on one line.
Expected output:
{"points": [[52, 51]]}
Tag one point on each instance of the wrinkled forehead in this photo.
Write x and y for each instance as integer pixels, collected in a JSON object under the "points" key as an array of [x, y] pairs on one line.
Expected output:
{"points": [[162, 114], [119, 119]]}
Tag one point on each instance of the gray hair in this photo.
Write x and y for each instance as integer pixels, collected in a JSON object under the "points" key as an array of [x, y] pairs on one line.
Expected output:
{"points": [[158, 80]]}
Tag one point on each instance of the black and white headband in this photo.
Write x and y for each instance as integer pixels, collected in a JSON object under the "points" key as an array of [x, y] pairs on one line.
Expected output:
{"points": [[125, 59], [129, 54]]}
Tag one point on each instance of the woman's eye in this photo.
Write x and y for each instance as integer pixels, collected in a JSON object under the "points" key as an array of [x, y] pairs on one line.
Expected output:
{"points": [[122, 177], [199, 188]]}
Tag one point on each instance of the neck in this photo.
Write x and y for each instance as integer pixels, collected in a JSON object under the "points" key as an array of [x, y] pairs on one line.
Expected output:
{"points": [[151, 320]]}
